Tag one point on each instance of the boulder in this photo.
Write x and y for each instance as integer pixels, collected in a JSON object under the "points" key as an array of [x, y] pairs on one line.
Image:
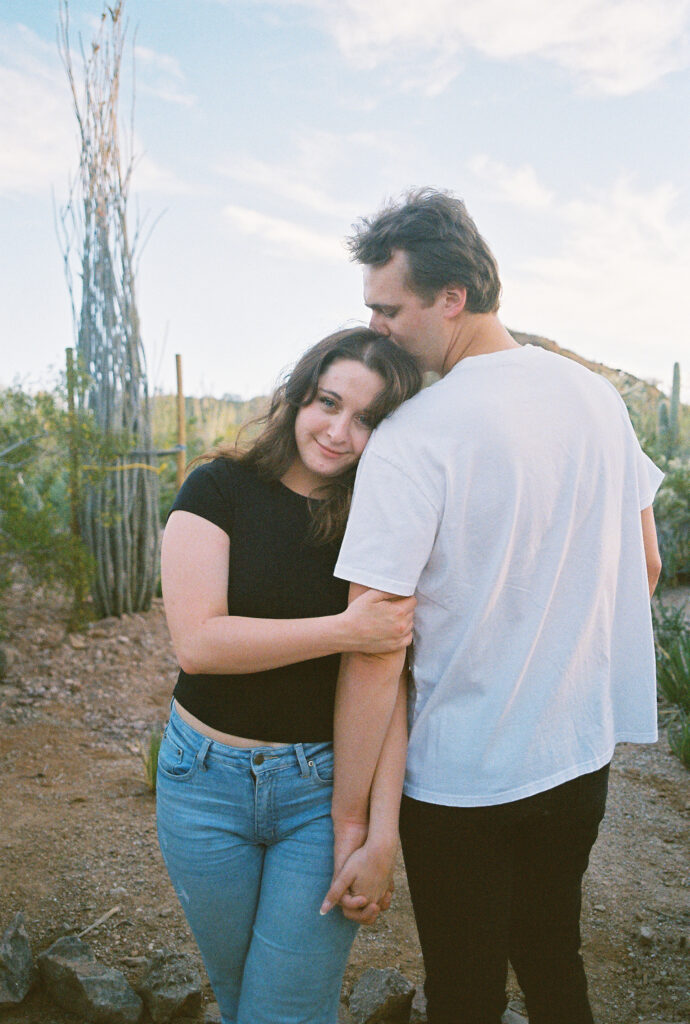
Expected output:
{"points": [[418, 1010], [381, 995], [17, 971], [82, 986], [172, 986]]}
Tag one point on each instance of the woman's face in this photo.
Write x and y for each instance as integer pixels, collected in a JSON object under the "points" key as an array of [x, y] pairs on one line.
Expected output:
{"points": [[332, 430]]}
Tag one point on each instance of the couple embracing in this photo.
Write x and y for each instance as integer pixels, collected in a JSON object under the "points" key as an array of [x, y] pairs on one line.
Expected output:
{"points": [[502, 518]]}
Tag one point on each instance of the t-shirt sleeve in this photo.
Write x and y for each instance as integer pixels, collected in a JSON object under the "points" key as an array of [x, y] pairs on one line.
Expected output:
{"points": [[649, 478], [208, 492], [390, 531]]}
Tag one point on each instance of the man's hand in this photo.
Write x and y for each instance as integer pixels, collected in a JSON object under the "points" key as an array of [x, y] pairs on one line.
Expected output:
{"points": [[363, 882]]}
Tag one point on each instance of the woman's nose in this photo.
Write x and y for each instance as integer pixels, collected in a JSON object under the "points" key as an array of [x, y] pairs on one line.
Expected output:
{"points": [[337, 428]]}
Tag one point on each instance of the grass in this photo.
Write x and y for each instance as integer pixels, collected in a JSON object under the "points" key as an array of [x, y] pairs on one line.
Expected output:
{"points": [[149, 755]]}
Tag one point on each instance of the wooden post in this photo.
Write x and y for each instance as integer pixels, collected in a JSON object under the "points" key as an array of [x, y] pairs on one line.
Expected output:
{"points": [[181, 424], [74, 487]]}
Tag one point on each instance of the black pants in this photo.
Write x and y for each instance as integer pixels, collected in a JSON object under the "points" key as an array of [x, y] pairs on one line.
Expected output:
{"points": [[492, 884]]}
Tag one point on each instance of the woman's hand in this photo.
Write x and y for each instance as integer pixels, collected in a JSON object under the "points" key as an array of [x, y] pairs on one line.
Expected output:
{"points": [[364, 884], [379, 623]]}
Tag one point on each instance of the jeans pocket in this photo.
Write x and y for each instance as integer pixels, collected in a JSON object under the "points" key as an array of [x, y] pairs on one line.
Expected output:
{"points": [[321, 769], [174, 760]]}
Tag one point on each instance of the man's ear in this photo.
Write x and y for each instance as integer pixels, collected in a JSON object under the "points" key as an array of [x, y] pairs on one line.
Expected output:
{"points": [[454, 300]]}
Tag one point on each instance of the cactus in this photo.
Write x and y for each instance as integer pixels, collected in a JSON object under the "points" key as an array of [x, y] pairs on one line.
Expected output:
{"points": [[674, 412], [668, 417]]}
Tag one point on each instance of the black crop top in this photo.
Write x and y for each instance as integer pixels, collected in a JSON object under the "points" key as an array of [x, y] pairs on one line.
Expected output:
{"points": [[275, 573]]}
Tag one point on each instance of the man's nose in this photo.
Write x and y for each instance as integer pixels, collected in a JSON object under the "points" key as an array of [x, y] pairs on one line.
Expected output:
{"points": [[378, 323]]}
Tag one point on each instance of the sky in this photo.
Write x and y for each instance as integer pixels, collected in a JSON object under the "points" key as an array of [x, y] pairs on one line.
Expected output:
{"points": [[263, 129]]}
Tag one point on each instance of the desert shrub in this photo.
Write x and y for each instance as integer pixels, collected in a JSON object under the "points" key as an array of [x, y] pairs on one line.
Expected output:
{"points": [[34, 491], [672, 644], [672, 514], [669, 621], [673, 670], [149, 755], [679, 738]]}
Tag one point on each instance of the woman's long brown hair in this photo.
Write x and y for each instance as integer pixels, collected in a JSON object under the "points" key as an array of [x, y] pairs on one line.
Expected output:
{"points": [[274, 450]]}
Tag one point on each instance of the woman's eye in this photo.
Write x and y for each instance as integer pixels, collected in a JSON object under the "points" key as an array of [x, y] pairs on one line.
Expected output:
{"points": [[365, 422], [327, 402]]}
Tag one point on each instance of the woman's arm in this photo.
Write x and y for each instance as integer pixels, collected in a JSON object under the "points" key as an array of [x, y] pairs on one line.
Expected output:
{"points": [[195, 559]]}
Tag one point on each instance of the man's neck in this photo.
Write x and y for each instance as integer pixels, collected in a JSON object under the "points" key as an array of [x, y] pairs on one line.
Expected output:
{"points": [[476, 334]]}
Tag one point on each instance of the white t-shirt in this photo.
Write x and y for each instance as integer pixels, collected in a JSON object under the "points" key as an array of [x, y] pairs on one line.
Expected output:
{"points": [[507, 498]]}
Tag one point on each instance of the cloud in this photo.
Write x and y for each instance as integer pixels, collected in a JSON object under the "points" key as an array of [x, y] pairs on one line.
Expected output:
{"points": [[37, 130], [610, 46], [285, 236], [150, 176], [39, 144], [324, 173], [283, 181], [160, 75], [518, 186], [618, 278]]}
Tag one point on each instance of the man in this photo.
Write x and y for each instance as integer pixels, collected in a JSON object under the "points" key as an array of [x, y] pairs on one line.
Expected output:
{"points": [[513, 499]]}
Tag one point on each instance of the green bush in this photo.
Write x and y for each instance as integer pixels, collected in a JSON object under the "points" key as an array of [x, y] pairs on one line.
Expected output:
{"points": [[672, 644], [149, 755], [34, 492], [679, 738], [672, 514]]}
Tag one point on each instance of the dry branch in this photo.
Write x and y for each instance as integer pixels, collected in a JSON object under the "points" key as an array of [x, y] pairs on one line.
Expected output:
{"points": [[119, 514]]}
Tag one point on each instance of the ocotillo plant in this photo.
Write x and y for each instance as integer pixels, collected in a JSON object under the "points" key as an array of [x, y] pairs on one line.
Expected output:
{"points": [[119, 503]]}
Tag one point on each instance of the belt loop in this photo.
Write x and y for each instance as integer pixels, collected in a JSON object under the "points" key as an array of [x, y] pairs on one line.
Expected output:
{"points": [[302, 761], [203, 751]]}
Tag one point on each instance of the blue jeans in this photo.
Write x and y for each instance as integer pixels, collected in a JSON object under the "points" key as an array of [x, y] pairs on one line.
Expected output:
{"points": [[247, 839]]}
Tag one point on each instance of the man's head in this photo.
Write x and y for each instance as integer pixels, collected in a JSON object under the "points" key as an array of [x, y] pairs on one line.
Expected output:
{"points": [[442, 244], [424, 264]]}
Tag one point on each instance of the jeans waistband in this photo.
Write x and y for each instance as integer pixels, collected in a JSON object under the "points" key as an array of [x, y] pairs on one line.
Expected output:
{"points": [[244, 756]]}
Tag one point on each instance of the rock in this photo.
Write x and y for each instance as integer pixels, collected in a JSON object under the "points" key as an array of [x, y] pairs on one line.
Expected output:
{"points": [[513, 1017], [212, 1014], [77, 641], [381, 995], [9, 657], [646, 935], [418, 1011], [172, 986], [17, 971], [92, 991]]}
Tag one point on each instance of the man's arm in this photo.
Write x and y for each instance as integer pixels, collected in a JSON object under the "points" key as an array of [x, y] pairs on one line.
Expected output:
{"points": [[365, 857], [651, 548], [365, 699]]}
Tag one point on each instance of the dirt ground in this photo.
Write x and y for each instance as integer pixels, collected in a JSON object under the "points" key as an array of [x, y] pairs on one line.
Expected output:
{"points": [[77, 828]]}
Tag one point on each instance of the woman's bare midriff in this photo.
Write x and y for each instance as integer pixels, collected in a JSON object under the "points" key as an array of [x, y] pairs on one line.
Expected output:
{"points": [[223, 737]]}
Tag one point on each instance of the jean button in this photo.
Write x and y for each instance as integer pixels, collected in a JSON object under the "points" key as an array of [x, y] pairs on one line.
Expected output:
{"points": [[258, 759]]}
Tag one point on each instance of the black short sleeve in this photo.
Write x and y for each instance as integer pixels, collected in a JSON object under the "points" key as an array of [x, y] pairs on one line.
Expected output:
{"points": [[209, 492]]}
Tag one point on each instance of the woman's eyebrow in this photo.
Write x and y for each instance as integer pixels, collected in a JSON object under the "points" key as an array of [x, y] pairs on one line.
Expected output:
{"points": [[327, 391]]}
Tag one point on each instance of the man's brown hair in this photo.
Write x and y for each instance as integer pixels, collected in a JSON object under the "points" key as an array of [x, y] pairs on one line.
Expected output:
{"points": [[442, 244]]}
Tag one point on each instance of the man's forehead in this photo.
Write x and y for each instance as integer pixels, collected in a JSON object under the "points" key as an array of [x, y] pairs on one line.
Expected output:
{"points": [[386, 279]]}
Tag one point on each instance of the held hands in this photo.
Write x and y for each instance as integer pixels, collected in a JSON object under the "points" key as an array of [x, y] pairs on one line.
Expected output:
{"points": [[378, 623], [363, 883]]}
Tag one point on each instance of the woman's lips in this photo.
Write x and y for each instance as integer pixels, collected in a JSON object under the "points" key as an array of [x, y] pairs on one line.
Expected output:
{"points": [[329, 451]]}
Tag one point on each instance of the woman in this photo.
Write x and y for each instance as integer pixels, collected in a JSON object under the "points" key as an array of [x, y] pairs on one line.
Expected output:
{"points": [[258, 621]]}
